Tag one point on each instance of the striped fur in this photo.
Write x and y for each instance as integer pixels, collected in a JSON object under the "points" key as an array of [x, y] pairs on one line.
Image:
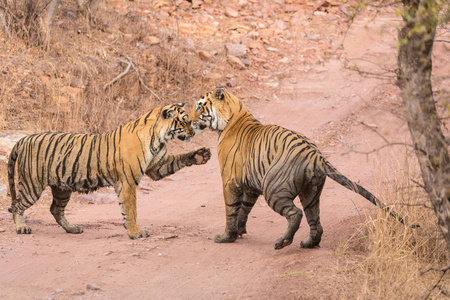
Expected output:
{"points": [[69, 162], [268, 160]]}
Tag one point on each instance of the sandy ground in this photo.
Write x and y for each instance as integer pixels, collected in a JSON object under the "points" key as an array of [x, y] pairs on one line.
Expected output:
{"points": [[183, 213]]}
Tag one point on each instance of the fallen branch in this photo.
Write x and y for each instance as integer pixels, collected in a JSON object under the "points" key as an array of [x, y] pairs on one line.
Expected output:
{"points": [[135, 69], [120, 75], [140, 79]]}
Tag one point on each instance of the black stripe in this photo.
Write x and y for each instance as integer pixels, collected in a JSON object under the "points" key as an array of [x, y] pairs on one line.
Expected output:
{"points": [[235, 204], [132, 175], [88, 163], [140, 165], [76, 164]]}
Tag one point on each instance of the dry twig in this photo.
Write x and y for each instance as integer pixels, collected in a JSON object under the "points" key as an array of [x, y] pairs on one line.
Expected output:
{"points": [[130, 61], [444, 270], [387, 142], [140, 78]]}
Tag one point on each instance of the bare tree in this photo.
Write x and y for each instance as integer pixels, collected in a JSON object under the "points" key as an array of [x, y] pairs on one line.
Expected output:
{"points": [[416, 40], [48, 22], [84, 7], [33, 20]]}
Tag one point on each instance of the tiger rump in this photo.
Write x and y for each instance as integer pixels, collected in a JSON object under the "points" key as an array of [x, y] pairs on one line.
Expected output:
{"points": [[69, 162], [268, 160]]}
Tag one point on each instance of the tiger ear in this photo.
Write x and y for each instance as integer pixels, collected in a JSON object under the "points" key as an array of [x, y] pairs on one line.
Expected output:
{"points": [[219, 93], [168, 114], [180, 104]]}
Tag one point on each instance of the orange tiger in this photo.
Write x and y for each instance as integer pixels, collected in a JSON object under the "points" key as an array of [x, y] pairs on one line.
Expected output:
{"points": [[268, 160]]}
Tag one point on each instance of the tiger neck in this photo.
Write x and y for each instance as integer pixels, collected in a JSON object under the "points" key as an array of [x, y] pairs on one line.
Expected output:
{"points": [[146, 130], [236, 121]]}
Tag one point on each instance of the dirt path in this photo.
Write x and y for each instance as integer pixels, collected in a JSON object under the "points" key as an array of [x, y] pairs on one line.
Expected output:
{"points": [[184, 212]]}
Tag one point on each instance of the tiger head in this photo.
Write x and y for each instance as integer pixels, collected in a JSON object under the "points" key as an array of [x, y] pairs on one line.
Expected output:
{"points": [[179, 126], [214, 110]]}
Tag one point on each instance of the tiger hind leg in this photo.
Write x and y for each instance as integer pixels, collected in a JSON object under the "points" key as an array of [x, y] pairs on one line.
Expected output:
{"points": [[19, 221], [60, 200], [284, 205], [310, 199], [246, 206], [20, 204]]}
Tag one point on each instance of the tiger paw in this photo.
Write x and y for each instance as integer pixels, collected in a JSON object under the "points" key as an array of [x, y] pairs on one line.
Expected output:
{"points": [[140, 234], [309, 244], [225, 238], [74, 229], [281, 243], [202, 156], [241, 231], [23, 230]]}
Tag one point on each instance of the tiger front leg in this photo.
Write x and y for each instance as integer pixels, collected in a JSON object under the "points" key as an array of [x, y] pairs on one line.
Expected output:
{"points": [[127, 202], [173, 163], [232, 207]]}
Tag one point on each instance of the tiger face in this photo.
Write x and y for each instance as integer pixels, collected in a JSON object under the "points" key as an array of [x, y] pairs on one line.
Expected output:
{"points": [[179, 125], [212, 111]]}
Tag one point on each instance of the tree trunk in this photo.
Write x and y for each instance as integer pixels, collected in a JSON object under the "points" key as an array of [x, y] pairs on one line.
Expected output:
{"points": [[414, 78], [48, 23]]}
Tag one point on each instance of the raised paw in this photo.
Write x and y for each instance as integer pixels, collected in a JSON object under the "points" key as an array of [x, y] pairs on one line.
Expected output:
{"points": [[202, 156], [140, 234], [281, 243], [225, 238], [23, 230]]}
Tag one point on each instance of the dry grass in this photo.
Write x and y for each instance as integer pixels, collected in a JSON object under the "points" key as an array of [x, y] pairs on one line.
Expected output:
{"points": [[21, 19], [63, 88], [393, 257]]}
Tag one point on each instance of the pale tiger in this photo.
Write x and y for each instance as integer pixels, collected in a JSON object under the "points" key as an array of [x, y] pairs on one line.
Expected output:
{"points": [[70, 162]]}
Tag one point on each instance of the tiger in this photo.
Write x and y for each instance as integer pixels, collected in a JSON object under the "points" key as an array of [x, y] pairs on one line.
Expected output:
{"points": [[76, 162], [268, 160]]}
